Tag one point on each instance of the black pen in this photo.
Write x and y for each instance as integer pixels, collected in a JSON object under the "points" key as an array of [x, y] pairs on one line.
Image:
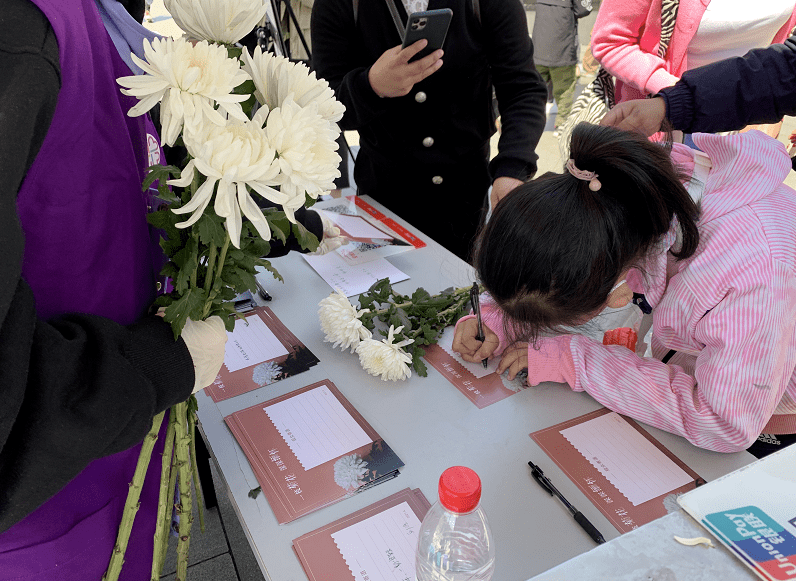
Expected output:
{"points": [[584, 523], [262, 292], [476, 302]]}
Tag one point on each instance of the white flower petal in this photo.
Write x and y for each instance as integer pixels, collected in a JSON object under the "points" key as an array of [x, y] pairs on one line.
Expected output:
{"points": [[186, 176]]}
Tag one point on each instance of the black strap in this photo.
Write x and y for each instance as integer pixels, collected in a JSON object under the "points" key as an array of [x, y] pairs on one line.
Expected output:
{"points": [[396, 18], [475, 3], [668, 356]]}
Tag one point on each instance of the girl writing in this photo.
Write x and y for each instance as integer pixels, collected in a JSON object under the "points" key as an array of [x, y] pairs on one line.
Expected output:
{"points": [[709, 240]]}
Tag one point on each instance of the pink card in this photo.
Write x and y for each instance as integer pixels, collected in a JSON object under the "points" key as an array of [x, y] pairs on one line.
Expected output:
{"points": [[311, 448], [619, 466], [481, 386], [322, 552], [259, 353]]}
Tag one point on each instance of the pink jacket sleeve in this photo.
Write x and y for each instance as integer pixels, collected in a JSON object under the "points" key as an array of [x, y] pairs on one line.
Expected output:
{"points": [[740, 374], [617, 44]]}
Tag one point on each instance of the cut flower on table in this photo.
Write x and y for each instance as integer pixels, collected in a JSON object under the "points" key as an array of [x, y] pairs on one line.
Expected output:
{"points": [[414, 321]]}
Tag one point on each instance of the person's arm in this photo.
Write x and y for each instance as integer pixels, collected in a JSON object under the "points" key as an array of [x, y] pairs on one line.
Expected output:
{"points": [[615, 44], [78, 387], [521, 92], [740, 373], [339, 58], [759, 87]]}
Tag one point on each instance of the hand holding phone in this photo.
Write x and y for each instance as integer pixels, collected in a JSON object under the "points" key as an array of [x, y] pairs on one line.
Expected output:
{"points": [[431, 25], [393, 75]]}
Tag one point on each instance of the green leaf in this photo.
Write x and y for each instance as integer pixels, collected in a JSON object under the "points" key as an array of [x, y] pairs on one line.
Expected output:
{"points": [[189, 305], [309, 201], [159, 172], [417, 362], [280, 225], [268, 267], [187, 261], [306, 239], [211, 229], [163, 219], [420, 294]]}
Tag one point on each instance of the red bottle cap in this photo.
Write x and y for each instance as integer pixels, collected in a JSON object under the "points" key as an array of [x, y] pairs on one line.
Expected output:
{"points": [[459, 489]]}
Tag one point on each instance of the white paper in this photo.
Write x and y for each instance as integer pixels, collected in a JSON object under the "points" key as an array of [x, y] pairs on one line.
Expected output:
{"points": [[382, 547], [353, 279], [357, 226], [633, 464], [251, 342], [316, 426]]}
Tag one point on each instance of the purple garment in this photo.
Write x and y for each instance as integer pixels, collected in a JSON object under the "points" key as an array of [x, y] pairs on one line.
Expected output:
{"points": [[87, 249]]}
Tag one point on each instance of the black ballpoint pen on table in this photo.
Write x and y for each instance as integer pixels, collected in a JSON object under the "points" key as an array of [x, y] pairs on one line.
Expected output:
{"points": [[476, 302], [584, 523]]}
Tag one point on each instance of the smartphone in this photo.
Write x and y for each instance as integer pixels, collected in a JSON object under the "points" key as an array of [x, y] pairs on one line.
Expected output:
{"points": [[431, 25]]}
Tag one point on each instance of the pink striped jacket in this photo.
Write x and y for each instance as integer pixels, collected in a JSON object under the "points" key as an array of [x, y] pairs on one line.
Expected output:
{"points": [[729, 310]]}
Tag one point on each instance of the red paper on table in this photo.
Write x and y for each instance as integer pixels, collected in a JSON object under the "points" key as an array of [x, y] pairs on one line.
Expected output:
{"points": [[311, 448], [619, 466], [319, 553], [389, 222], [481, 386], [259, 354]]}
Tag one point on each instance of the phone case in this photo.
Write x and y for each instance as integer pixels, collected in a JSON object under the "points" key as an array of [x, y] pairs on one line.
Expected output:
{"points": [[431, 25]]}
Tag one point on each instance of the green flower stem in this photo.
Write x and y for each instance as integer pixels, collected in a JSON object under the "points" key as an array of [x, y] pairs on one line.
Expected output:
{"points": [[195, 471], [132, 503], [170, 487], [217, 282], [452, 309], [163, 518], [211, 264], [184, 509]]}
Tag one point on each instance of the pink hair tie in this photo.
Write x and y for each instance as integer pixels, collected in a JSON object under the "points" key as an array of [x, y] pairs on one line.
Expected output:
{"points": [[587, 176]]}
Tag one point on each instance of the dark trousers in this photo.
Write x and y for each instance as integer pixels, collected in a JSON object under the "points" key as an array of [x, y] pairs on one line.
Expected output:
{"points": [[769, 443], [450, 212]]}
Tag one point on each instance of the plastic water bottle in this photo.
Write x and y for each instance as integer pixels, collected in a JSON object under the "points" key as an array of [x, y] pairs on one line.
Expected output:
{"points": [[455, 542]]}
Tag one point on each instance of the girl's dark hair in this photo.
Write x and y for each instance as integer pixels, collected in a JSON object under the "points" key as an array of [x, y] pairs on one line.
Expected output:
{"points": [[553, 248]]}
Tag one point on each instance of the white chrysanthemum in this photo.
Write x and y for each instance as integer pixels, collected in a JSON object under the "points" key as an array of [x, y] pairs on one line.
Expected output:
{"points": [[266, 373], [224, 21], [236, 157], [384, 358], [340, 321], [276, 78], [307, 150], [189, 79], [349, 470]]}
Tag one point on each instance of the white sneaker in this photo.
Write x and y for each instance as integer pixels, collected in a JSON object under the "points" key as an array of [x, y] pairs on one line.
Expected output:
{"points": [[551, 108]]}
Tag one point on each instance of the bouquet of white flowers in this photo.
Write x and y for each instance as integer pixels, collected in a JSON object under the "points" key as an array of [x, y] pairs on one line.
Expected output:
{"points": [[408, 322], [253, 126]]}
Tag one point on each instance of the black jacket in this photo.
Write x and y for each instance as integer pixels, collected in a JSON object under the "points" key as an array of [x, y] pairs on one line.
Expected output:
{"points": [[555, 32], [457, 112], [759, 87]]}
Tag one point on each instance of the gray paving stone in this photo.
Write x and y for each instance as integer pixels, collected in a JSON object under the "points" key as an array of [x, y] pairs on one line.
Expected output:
{"points": [[218, 568]]}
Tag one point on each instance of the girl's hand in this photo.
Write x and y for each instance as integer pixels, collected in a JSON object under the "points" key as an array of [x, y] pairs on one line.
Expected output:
{"points": [[470, 348], [552, 361]]}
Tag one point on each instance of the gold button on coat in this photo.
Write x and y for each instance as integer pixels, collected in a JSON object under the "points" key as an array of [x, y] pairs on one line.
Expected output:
{"points": [[436, 180], [420, 97], [428, 142]]}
